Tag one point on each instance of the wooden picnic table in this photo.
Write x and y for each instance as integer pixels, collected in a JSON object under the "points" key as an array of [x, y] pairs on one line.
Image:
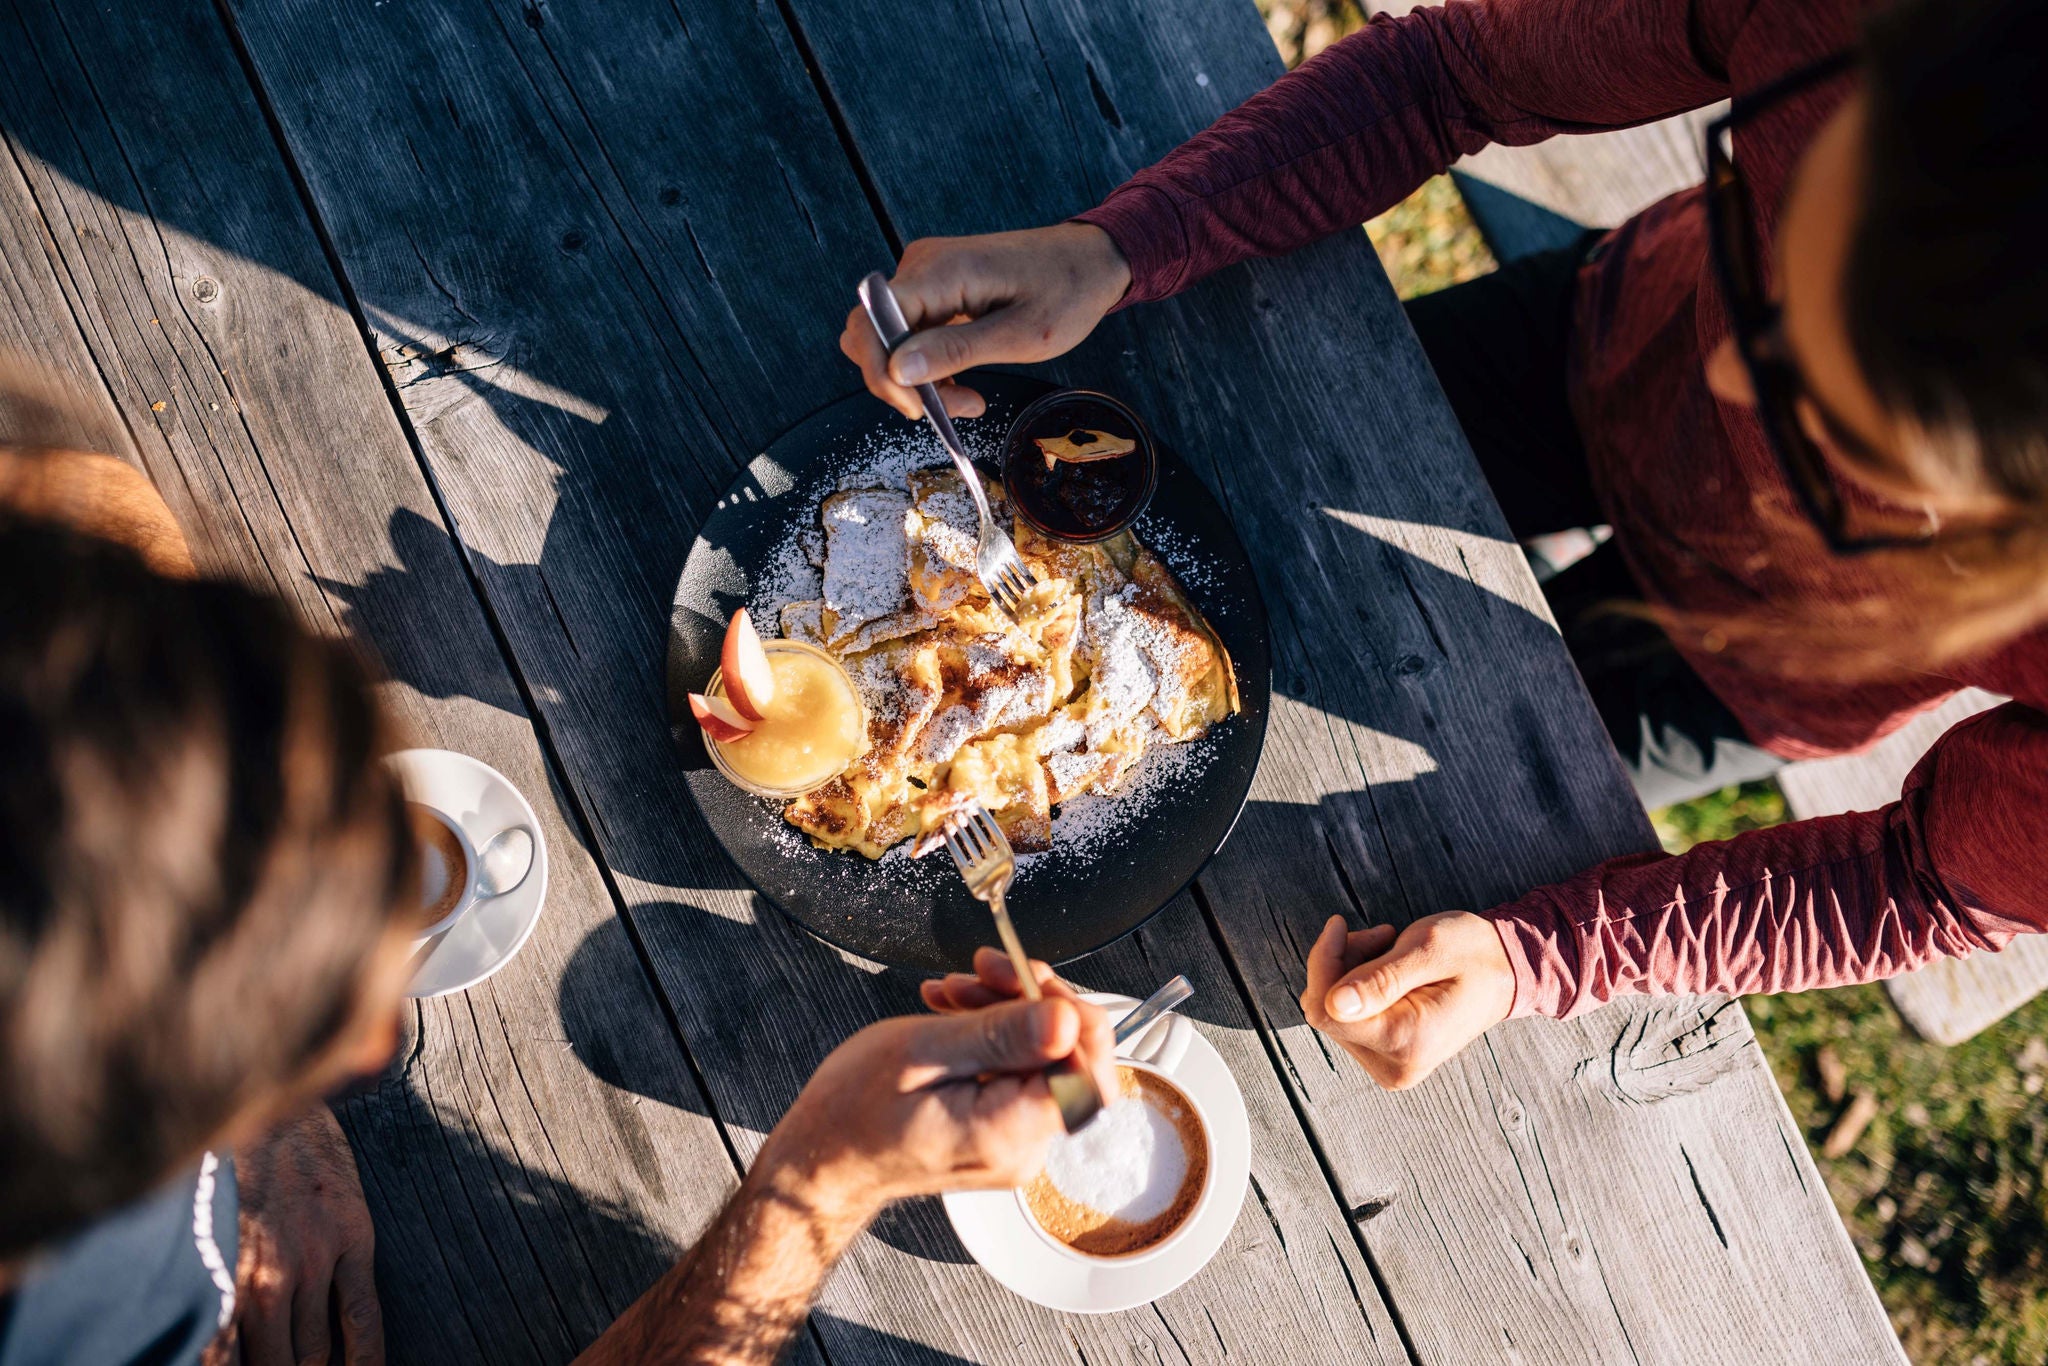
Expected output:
{"points": [[449, 319]]}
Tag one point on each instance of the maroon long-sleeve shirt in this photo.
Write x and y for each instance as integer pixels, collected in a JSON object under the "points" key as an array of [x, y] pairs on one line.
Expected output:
{"points": [[1699, 507]]}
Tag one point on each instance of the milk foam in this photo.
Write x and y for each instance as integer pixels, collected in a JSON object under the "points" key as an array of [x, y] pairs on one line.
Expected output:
{"points": [[1129, 1163]]}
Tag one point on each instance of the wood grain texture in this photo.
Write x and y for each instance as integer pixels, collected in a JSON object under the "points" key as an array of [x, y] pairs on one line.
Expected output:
{"points": [[1872, 778], [154, 248], [1956, 998], [593, 315], [1627, 1187], [1601, 179]]}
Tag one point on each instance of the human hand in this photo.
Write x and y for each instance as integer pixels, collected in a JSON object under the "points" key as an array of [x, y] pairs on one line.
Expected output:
{"points": [[921, 1104], [1010, 297], [994, 981], [1402, 1004], [306, 1249]]}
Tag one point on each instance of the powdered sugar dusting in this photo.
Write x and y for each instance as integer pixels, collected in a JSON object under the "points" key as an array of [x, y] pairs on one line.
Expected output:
{"points": [[1196, 569], [864, 579]]}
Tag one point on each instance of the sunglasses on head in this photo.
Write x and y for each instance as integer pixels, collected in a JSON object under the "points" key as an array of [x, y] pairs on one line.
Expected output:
{"points": [[1757, 323]]}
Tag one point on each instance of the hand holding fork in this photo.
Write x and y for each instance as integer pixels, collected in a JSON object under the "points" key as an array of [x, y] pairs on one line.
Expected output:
{"points": [[1002, 572], [981, 851]]}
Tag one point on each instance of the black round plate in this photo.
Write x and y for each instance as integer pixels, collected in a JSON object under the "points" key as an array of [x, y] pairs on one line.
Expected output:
{"points": [[916, 914]]}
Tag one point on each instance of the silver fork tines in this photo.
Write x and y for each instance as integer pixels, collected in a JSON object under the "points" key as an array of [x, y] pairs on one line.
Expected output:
{"points": [[981, 851], [996, 562]]}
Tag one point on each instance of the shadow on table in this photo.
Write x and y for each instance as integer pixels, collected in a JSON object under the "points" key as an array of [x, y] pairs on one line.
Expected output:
{"points": [[496, 1261]]}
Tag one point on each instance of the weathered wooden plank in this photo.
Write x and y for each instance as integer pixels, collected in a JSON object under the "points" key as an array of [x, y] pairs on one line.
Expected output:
{"points": [[1955, 998], [1873, 777], [1625, 1187], [155, 249], [594, 317], [1601, 179]]}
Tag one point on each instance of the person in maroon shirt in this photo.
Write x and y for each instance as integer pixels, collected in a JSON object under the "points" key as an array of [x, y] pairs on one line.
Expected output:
{"points": [[1810, 397]]}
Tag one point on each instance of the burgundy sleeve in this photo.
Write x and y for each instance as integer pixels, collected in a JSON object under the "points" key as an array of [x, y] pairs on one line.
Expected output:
{"points": [[1362, 124], [1958, 863]]}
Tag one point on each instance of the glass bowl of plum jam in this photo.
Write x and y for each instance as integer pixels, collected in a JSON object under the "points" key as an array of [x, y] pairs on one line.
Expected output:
{"points": [[1079, 466]]}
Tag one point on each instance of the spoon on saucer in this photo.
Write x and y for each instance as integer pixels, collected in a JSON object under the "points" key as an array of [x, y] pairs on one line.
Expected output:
{"points": [[1151, 1008], [504, 862]]}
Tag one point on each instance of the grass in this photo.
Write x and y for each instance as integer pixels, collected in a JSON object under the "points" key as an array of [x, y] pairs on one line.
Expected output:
{"points": [[1942, 1191]]}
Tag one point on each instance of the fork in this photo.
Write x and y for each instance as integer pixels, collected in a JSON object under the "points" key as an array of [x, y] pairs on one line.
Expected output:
{"points": [[981, 851], [996, 562]]}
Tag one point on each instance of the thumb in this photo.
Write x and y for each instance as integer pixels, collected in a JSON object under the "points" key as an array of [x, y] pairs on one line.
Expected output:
{"points": [[1000, 338], [1016, 1036], [1371, 988]]}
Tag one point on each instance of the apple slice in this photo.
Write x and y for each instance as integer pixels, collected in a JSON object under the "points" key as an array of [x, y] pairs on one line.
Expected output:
{"points": [[749, 682], [720, 719]]}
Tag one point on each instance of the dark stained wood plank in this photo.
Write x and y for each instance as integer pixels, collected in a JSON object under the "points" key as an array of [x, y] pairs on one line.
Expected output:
{"points": [[543, 1152], [593, 317], [1625, 1187]]}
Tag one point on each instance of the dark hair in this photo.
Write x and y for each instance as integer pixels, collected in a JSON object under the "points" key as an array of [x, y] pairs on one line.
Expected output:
{"points": [[199, 854], [1946, 294], [1946, 301], [1946, 297]]}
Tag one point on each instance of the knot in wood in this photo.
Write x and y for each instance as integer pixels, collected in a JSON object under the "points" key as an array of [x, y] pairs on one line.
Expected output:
{"points": [[1373, 1206], [206, 289], [1671, 1049]]}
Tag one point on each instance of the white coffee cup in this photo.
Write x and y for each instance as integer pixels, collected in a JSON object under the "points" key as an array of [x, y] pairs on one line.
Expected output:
{"points": [[1195, 1211], [438, 873]]}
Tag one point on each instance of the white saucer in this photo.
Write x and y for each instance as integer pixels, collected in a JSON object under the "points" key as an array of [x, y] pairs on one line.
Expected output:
{"points": [[992, 1227], [482, 801]]}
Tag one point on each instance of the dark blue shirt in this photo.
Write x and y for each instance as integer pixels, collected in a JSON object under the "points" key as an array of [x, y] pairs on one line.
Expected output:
{"points": [[149, 1285]]}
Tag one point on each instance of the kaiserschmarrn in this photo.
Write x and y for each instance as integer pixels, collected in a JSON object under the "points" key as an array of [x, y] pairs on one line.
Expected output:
{"points": [[1105, 658]]}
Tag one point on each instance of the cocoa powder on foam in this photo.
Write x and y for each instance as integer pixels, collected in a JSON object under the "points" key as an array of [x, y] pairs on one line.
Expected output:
{"points": [[1098, 1233]]}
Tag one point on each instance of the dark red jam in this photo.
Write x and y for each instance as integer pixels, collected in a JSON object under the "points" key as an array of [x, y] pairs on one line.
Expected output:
{"points": [[1078, 500]]}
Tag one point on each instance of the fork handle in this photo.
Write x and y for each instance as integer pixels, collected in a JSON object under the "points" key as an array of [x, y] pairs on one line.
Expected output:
{"points": [[1014, 946], [893, 330], [1073, 1090]]}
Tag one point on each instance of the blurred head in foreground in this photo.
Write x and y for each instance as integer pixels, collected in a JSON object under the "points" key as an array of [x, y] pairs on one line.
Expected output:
{"points": [[203, 869]]}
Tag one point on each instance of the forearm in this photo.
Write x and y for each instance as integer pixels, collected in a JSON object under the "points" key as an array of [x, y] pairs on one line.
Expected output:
{"points": [[1788, 909], [1362, 124], [1954, 865], [743, 1291]]}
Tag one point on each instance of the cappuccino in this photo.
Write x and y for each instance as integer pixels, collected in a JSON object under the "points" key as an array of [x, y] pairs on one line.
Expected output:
{"points": [[1126, 1182], [444, 864]]}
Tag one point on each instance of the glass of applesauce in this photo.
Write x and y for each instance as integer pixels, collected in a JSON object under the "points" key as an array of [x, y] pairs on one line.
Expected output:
{"points": [[810, 732]]}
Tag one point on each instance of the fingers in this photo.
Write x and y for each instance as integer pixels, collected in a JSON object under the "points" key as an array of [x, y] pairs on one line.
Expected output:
{"points": [[266, 1328], [310, 1340], [362, 1317], [1016, 1036], [993, 981], [1096, 1046], [860, 345], [960, 400], [993, 968], [1015, 1121], [1371, 988], [1005, 336], [1325, 966]]}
